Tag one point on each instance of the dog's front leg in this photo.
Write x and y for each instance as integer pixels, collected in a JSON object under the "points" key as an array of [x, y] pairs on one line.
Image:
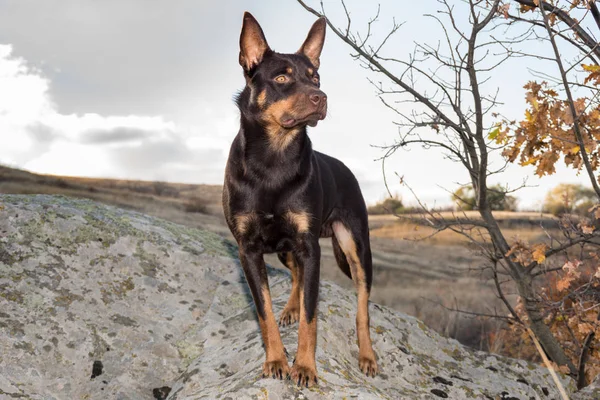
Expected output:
{"points": [[304, 370], [276, 364]]}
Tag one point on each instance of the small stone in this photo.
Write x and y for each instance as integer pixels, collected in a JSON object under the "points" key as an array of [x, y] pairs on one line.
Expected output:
{"points": [[161, 393], [439, 393], [97, 368]]}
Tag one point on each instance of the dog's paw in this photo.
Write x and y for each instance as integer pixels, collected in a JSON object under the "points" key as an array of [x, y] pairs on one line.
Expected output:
{"points": [[304, 375], [289, 316], [276, 369], [368, 365]]}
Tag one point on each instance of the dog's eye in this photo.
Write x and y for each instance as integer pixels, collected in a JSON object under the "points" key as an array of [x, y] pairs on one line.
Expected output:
{"points": [[315, 79], [281, 79]]}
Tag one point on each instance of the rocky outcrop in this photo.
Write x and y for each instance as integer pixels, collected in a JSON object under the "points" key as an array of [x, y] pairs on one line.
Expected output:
{"points": [[102, 303]]}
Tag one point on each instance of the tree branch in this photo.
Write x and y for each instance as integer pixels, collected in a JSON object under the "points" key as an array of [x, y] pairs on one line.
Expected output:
{"points": [[583, 356], [573, 24], [369, 57], [595, 12], [576, 126]]}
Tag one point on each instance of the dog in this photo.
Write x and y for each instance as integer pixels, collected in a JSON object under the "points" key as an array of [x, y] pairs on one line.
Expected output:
{"points": [[280, 196]]}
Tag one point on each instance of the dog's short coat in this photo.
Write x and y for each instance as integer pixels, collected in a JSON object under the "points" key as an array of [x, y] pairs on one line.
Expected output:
{"points": [[280, 197]]}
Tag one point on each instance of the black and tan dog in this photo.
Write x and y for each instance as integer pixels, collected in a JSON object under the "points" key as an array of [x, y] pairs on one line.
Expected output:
{"points": [[280, 197]]}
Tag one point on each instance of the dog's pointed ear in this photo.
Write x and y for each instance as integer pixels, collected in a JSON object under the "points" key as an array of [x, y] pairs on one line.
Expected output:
{"points": [[253, 44], [313, 44]]}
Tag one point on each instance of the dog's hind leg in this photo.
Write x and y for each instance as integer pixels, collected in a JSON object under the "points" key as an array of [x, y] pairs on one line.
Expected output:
{"points": [[291, 312], [354, 242], [340, 257]]}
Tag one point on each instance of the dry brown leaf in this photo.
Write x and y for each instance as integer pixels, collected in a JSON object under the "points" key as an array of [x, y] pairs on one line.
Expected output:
{"points": [[585, 328], [539, 253], [586, 229], [503, 9], [564, 283]]}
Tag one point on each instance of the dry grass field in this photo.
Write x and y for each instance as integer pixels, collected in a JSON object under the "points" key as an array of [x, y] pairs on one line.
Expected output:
{"points": [[524, 226], [171, 201], [412, 274]]}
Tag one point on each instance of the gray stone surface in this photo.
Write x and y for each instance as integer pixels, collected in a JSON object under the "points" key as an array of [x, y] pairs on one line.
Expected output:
{"points": [[159, 304], [81, 282]]}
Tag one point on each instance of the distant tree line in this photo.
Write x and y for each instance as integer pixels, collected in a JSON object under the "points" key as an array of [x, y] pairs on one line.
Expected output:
{"points": [[565, 198]]}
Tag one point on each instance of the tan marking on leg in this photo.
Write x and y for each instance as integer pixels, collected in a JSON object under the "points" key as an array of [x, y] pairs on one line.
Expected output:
{"points": [[276, 364], [243, 222], [304, 370], [261, 98], [291, 312], [366, 355], [301, 220]]}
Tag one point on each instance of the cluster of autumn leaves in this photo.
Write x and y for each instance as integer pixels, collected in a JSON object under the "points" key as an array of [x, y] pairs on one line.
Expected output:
{"points": [[545, 135], [569, 297], [569, 300]]}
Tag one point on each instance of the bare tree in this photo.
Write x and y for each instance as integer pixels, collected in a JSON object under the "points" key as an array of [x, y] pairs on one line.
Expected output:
{"points": [[450, 111]]}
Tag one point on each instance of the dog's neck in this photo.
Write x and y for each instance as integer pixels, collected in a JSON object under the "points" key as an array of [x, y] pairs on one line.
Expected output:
{"points": [[277, 146], [274, 162]]}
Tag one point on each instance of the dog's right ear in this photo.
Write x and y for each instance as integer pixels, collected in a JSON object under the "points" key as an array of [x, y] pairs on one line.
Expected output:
{"points": [[253, 44]]}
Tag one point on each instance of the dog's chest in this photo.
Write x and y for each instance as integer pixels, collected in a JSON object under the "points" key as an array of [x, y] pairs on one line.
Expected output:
{"points": [[273, 232]]}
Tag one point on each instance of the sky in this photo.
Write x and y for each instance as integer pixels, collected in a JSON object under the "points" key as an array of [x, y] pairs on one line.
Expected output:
{"points": [[142, 89]]}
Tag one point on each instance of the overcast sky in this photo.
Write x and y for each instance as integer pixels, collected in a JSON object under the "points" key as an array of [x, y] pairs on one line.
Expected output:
{"points": [[142, 89]]}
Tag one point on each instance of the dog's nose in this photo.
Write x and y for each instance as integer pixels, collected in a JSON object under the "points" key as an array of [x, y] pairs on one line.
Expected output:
{"points": [[318, 98]]}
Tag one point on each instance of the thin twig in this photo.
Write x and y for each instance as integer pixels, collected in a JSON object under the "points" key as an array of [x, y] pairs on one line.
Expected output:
{"points": [[542, 353]]}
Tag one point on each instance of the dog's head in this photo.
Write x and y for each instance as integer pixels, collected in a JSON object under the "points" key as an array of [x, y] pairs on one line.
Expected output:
{"points": [[284, 89]]}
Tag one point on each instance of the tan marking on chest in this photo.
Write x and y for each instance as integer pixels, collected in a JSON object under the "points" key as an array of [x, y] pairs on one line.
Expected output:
{"points": [[280, 139], [301, 220], [243, 222]]}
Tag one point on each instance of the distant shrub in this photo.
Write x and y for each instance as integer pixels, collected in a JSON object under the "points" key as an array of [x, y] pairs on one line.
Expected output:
{"points": [[391, 205], [61, 183], [196, 205], [499, 200], [160, 189], [568, 198]]}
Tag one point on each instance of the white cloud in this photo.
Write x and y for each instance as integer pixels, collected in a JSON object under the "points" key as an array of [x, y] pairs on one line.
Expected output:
{"points": [[67, 158], [23, 96], [37, 137]]}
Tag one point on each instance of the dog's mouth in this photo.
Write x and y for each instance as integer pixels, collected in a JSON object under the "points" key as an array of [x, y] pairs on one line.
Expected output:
{"points": [[311, 120]]}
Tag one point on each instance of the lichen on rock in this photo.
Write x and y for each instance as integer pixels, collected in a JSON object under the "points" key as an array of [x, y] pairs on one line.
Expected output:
{"points": [[82, 282], [102, 303]]}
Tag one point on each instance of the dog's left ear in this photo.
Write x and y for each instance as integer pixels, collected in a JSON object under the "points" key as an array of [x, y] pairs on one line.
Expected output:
{"points": [[313, 44]]}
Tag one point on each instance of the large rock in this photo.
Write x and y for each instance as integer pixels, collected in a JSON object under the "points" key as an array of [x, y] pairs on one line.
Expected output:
{"points": [[102, 303]]}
